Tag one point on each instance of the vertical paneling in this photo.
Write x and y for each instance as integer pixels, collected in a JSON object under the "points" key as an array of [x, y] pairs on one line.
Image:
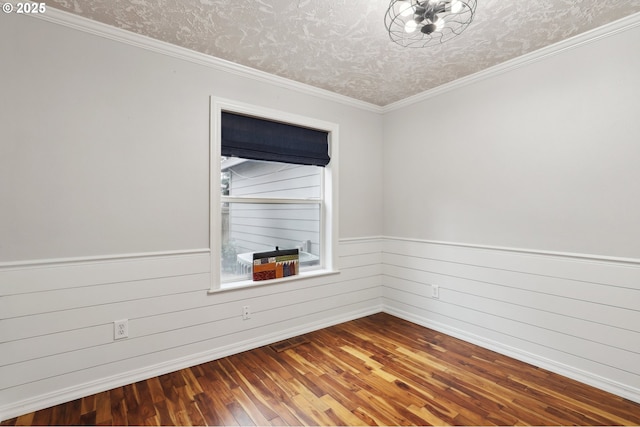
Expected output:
{"points": [[577, 316], [56, 335]]}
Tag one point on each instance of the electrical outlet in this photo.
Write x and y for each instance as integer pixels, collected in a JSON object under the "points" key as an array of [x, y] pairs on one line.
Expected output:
{"points": [[121, 329], [435, 291], [246, 312]]}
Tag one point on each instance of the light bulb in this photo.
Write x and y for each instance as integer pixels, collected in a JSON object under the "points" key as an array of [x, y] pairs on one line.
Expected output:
{"points": [[439, 24], [405, 8], [456, 6], [410, 26]]}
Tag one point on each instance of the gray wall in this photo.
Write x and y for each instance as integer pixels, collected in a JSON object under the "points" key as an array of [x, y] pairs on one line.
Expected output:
{"points": [[104, 158], [105, 146], [520, 202], [544, 156]]}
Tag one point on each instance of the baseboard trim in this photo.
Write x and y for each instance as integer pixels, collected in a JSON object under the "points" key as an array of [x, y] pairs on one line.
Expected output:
{"points": [[601, 383], [82, 390]]}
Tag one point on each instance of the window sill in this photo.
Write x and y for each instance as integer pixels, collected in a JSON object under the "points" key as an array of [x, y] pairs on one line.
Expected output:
{"points": [[245, 284]]}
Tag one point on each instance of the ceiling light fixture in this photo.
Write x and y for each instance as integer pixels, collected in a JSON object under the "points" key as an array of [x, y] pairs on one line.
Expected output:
{"points": [[422, 23]]}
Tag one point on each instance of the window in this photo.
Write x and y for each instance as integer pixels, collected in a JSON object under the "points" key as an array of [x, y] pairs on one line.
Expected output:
{"points": [[269, 192]]}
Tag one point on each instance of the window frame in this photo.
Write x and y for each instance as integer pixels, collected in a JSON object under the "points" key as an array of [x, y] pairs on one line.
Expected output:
{"points": [[328, 202]]}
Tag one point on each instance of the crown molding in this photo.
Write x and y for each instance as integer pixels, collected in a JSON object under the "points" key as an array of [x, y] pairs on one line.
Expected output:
{"points": [[100, 29], [590, 36], [117, 34]]}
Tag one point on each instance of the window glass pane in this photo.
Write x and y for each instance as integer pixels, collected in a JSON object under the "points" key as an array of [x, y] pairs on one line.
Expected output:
{"points": [[253, 178], [260, 227]]}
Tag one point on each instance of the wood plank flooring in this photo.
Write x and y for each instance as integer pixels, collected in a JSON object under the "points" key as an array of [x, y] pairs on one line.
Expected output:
{"points": [[378, 370]]}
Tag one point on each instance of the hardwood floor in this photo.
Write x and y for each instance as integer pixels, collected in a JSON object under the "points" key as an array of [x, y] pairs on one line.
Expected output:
{"points": [[375, 370]]}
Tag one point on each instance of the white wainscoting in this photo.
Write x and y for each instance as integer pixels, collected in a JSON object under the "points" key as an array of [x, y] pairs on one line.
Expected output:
{"points": [[572, 314], [575, 315], [56, 319]]}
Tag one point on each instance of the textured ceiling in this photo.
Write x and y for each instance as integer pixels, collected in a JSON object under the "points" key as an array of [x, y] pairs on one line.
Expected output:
{"points": [[342, 45]]}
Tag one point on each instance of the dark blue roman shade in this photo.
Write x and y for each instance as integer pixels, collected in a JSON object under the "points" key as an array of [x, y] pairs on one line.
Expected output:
{"points": [[259, 139]]}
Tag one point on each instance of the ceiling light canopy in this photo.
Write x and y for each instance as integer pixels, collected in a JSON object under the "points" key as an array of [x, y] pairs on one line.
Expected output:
{"points": [[422, 23]]}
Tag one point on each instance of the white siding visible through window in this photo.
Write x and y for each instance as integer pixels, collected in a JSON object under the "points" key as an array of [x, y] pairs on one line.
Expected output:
{"points": [[258, 205], [257, 227], [278, 180]]}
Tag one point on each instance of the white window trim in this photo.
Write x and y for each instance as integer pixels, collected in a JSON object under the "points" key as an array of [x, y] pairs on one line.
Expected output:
{"points": [[329, 232]]}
